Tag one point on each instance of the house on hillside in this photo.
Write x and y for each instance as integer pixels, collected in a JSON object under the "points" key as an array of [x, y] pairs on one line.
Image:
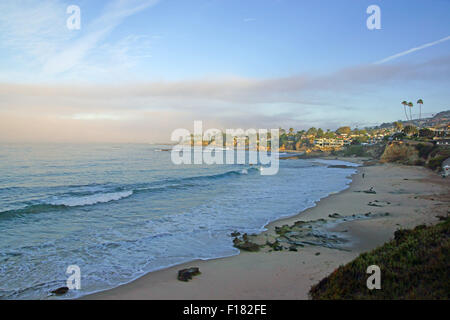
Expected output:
{"points": [[325, 144], [442, 142]]}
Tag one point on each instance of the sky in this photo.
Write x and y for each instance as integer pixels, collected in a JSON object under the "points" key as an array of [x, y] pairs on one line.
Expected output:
{"points": [[136, 70]]}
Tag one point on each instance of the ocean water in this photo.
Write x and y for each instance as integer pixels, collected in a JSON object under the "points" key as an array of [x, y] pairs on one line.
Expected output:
{"points": [[120, 211]]}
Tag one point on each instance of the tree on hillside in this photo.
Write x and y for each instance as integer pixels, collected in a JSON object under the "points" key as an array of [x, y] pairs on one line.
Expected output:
{"points": [[359, 140], [398, 126], [363, 132], [329, 134], [284, 140], [420, 103], [404, 103], [409, 130], [320, 133], [426, 133], [410, 105], [299, 134], [311, 131], [344, 130]]}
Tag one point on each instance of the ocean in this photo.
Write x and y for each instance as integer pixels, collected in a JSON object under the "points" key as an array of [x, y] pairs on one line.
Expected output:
{"points": [[119, 211]]}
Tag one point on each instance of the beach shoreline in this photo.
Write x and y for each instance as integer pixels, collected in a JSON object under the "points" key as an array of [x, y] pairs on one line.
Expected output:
{"points": [[405, 197]]}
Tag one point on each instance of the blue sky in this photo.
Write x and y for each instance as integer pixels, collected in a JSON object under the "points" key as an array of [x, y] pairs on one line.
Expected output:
{"points": [[137, 69]]}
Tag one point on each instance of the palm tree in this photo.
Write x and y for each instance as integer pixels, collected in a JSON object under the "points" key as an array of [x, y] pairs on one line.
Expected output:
{"points": [[410, 105], [404, 103], [420, 103]]}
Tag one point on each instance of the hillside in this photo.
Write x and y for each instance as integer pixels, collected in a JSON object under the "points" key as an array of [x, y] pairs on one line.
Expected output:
{"points": [[413, 266], [421, 154], [438, 118]]}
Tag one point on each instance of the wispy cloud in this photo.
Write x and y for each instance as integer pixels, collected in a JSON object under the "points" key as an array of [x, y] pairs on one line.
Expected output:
{"points": [[404, 53], [35, 32], [113, 15], [249, 19], [33, 28]]}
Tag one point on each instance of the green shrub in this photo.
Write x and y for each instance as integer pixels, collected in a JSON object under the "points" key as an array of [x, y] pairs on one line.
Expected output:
{"points": [[436, 163], [425, 150], [354, 150]]}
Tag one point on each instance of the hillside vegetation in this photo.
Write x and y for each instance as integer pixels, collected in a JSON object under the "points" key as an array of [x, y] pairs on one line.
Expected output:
{"points": [[400, 153], [423, 154], [415, 265], [373, 151]]}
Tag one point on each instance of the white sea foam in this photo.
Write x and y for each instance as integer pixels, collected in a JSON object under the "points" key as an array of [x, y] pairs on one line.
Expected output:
{"points": [[91, 199]]}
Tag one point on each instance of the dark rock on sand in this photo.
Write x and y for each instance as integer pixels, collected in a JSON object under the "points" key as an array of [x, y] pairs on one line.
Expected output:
{"points": [[370, 191], [245, 244], [340, 166], [371, 204], [60, 291], [276, 246], [187, 274], [293, 248], [248, 246], [282, 230], [335, 215], [377, 203]]}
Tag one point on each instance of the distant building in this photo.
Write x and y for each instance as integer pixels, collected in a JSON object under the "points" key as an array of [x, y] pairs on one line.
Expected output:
{"points": [[325, 143], [442, 142]]}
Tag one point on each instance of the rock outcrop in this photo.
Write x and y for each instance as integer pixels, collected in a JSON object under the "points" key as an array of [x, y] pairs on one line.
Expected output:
{"points": [[187, 274], [60, 291]]}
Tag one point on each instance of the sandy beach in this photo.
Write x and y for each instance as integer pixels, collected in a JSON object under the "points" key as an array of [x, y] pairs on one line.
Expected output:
{"points": [[405, 197]]}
